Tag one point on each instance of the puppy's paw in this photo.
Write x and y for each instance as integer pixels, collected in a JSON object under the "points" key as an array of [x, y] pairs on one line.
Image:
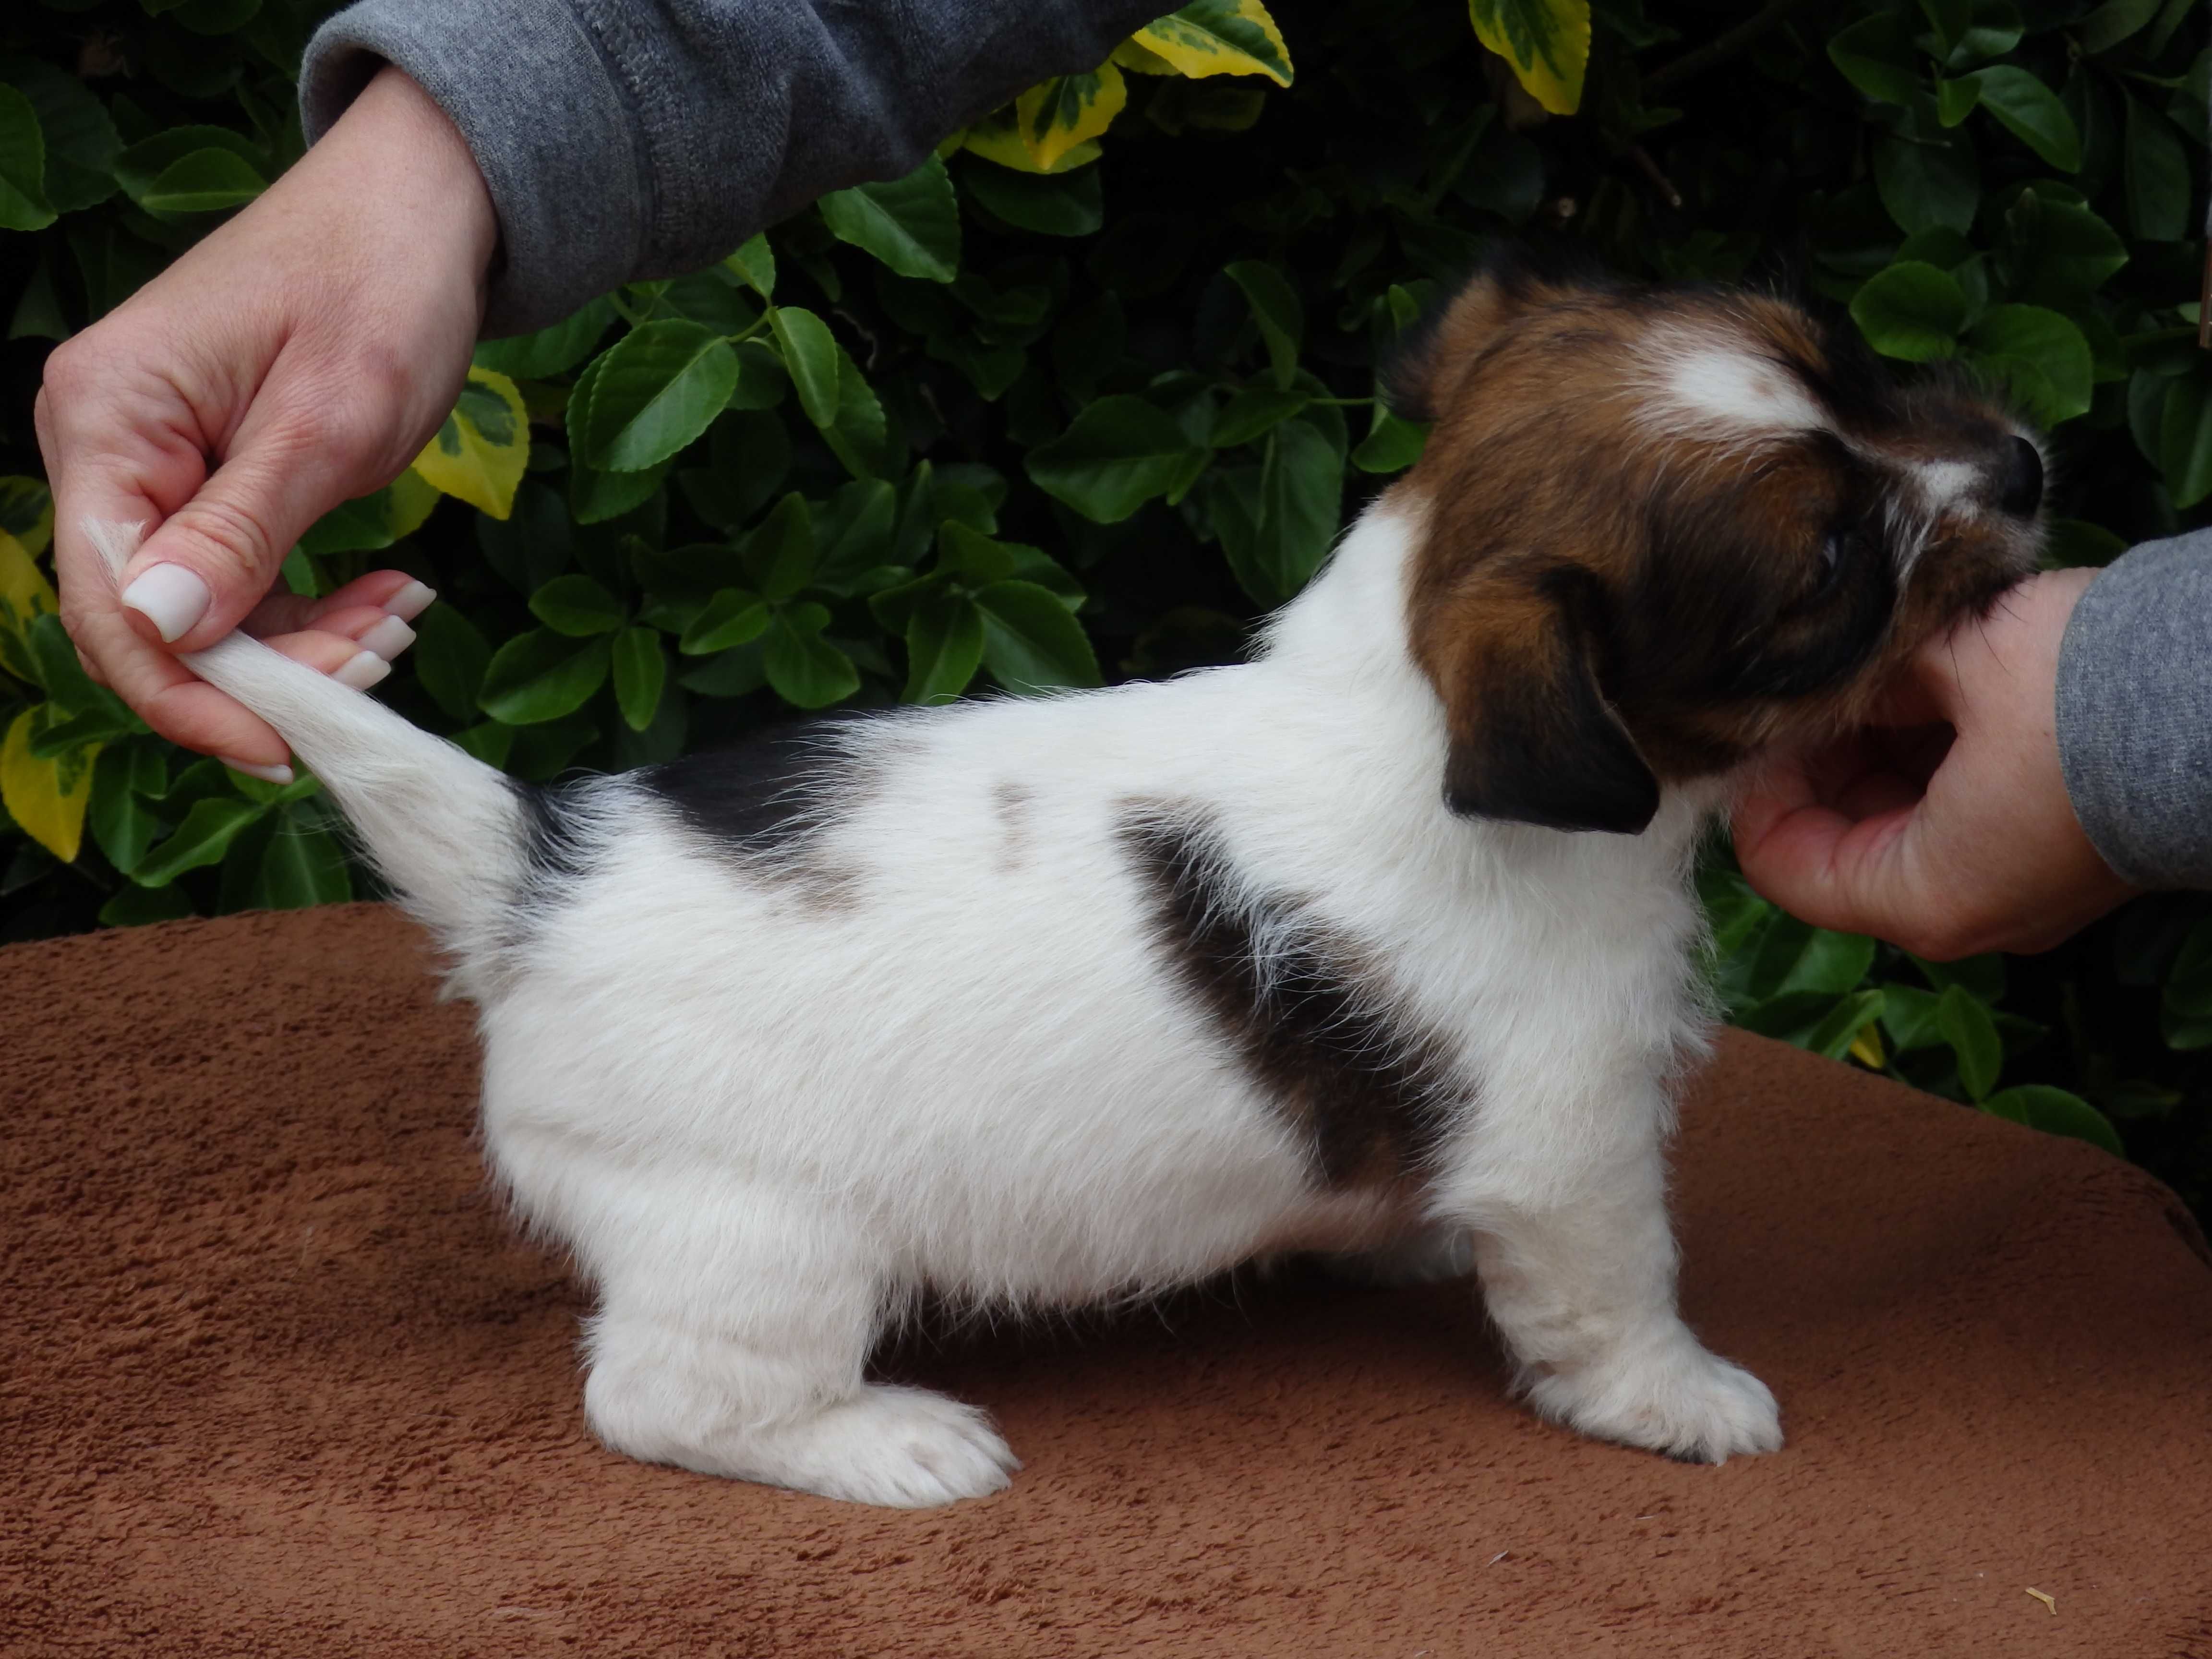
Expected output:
{"points": [[1428, 1257], [1674, 1397], [904, 1448]]}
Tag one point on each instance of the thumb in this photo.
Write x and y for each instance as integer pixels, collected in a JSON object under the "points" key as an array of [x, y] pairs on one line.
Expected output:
{"points": [[1824, 866], [216, 558]]}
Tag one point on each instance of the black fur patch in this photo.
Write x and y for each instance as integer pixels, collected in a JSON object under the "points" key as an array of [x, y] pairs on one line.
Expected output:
{"points": [[1369, 1091], [767, 801]]}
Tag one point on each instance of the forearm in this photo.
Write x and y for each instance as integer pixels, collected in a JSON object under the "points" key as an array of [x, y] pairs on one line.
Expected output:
{"points": [[623, 140], [2135, 712]]}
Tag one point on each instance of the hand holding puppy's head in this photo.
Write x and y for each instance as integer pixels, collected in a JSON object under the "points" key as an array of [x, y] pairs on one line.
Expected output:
{"points": [[1665, 528]]}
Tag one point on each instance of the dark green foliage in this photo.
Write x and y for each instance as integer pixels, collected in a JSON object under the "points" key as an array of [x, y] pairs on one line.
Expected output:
{"points": [[987, 427]]}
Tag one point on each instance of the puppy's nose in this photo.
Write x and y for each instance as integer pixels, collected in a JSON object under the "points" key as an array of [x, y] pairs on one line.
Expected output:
{"points": [[2021, 491]]}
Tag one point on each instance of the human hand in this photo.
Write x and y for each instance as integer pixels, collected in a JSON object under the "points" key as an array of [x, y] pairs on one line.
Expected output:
{"points": [[307, 349], [1946, 829]]}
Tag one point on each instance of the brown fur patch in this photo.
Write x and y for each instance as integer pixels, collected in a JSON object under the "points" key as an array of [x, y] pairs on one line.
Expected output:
{"points": [[1615, 585]]}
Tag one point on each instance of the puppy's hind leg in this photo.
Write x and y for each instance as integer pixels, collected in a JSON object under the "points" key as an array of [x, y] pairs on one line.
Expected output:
{"points": [[733, 1326], [1582, 1289]]}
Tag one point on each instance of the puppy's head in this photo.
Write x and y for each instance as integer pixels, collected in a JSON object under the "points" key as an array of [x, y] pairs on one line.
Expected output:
{"points": [[1665, 528]]}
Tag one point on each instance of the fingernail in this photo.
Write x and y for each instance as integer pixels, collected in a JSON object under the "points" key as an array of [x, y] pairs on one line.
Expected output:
{"points": [[410, 601], [363, 670], [266, 773], [170, 597], [388, 638]]}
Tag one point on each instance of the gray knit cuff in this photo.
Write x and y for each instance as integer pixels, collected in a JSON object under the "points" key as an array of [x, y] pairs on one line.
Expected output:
{"points": [[2135, 712], [544, 115]]}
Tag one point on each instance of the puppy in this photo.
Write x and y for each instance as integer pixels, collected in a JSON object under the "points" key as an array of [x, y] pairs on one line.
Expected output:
{"points": [[1382, 943]]}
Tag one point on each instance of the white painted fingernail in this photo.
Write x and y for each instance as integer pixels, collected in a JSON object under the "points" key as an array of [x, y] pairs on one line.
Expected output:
{"points": [[410, 601], [170, 597], [266, 773], [363, 670], [388, 638]]}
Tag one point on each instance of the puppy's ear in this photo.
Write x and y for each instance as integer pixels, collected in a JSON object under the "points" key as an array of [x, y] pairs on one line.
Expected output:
{"points": [[1512, 649]]}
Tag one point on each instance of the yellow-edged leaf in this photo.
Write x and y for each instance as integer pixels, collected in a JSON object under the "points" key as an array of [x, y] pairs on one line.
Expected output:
{"points": [[1546, 42], [1220, 37], [26, 513], [413, 500], [45, 797], [1866, 1047], [1141, 60], [994, 139], [24, 592], [1055, 116], [480, 452]]}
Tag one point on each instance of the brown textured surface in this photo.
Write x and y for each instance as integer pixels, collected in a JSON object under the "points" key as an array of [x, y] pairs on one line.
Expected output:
{"points": [[278, 1382]]}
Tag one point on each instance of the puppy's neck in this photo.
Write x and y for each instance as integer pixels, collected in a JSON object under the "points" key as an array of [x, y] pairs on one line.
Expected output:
{"points": [[1342, 646]]}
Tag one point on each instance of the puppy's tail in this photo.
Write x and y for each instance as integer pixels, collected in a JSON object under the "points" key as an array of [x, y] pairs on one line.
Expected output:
{"points": [[447, 831]]}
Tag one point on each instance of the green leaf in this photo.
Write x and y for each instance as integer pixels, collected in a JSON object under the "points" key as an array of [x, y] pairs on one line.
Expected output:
{"points": [[857, 434], [805, 670], [2156, 168], [1393, 446], [136, 907], [201, 840], [2185, 439], [550, 351], [2055, 1112], [210, 180], [1994, 30], [755, 264], [1117, 454], [304, 864], [943, 647], [640, 669], [1030, 642], [80, 137], [1831, 962], [2115, 22], [655, 392], [1840, 1028], [1955, 99], [810, 355], [1058, 204], [1276, 309], [1925, 186], [2042, 356], [733, 617], [2065, 250], [911, 224], [1253, 412], [1876, 56], [1911, 311], [1276, 528], [1965, 1024], [779, 555], [23, 203], [2034, 112], [450, 656], [540, 675], [119, 822], [577, 607]]}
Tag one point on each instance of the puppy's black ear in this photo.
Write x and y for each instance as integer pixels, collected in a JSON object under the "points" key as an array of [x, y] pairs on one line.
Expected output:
{"points": [[1513, 649]]}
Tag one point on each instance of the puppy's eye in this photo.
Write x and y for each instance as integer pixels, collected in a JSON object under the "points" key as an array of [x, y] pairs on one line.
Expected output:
{"points": [[1832, 548]]}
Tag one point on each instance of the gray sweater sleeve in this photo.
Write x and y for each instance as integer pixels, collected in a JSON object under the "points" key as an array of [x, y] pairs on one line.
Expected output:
{"points": [[2135, 712], [624, 139]]}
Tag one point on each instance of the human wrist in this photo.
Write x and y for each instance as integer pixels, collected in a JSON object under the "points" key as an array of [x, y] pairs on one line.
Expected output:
{"points": [[395, 138]]}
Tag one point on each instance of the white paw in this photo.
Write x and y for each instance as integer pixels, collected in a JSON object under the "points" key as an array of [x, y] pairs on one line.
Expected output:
{"points": [[1674, 1397], [906, 1448], [1428, 1257]]}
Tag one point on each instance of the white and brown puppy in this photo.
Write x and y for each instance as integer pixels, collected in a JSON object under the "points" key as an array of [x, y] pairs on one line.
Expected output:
{"points": [[1381, 943]]}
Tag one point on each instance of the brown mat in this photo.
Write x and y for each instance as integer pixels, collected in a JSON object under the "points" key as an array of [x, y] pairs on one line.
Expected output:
{"points": [[277, 1381]]}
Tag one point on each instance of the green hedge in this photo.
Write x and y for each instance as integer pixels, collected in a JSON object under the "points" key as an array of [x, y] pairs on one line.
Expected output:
{"points": [[993, 425]]}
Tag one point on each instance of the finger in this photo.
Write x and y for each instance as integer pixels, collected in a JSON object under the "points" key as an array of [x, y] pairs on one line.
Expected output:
{"points": [[217, 556], [337, 655], [390, 592], [1822, 865], [369, 627]]}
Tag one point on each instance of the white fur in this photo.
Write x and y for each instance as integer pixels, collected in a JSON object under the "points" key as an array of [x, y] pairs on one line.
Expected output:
{"points": [[763, 1123], [1715, 386]]}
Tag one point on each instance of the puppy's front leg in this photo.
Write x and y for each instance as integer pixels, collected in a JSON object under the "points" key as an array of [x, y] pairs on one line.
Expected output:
{"points": [[1582, 1288]]}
